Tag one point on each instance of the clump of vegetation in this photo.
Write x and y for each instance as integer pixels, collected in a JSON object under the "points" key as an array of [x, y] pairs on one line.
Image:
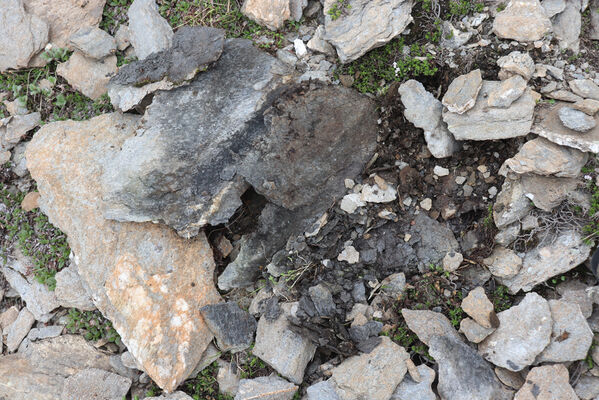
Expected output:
{"points": [[92, 325], [461, 8], [404, 337], [501, 298], [204, 386], [33, 235], [338, 8], [114, 15]]}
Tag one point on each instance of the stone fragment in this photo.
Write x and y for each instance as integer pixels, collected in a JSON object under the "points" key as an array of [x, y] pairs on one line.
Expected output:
{"points": [[93, 42], [349, 254], [88, 76], [372, 376], [319, 44], [547, 192], [587, 387], [425, 324], [322, 298], [122, 37], [233, 328], [323, 390], [564, 95], [375, 194], [567, 26], [422, 390], [594, 25], [516, 63], [284, 350], [522, 20], [148, 281], [65, 17], [478, 306], [12, 129], [425, 111], [440, 171], [8, 317], [542, 157], [17, 331], [394, 285], [149, 32], [463, 92], [503, 262], [70, 292], [227, 378], [554, 257], [585, 88], [509, 378], [463, 374], [171, 396], [571, 336], [509, 91], [576, 120], [45, 332], [39, 371], [271, 14], [547, 382], [266, 388], [93, 383], [483, 123], [575, 292], [524, 331], [474, 332], [511, 204], [300, 48], [30, 201], [588, 106], [452, 261], [351, 202], [362, 25], [23, 35], [426, 204], [453, 38], [553, 7]]}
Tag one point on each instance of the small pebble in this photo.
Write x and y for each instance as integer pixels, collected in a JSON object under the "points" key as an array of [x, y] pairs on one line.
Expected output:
{"points": [[460, 180], [440, 171], [426, 204]]}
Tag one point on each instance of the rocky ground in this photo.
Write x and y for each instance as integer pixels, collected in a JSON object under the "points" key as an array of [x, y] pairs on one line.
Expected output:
{"points": [[293, 199]]}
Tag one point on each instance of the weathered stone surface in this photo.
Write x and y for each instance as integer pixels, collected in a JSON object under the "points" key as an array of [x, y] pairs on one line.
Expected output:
{"points": [[30, 202], [556, 256], [550, 127], [503, 262], [271, 14], [553, 7], [474, 332], [323, 390], [93, 383], [522, 20], [571, 336], [371, 376], [233, 328], [23, 35], [40, 370], [587, 387], [227, 378], [588, 106], [65, 17], [567, 25], [70, 291], [425, 324], [8, 317], [148, 281], [284, 350], [319, 44], [542, 157], [17, 331], [149, 32], [193, 49], [87, 75], [585, 88], [322, 298], [425, 111], [478, 306], [172, 396], [364, 25], [576, 120], [122, 37], [432, 240], [509, 91], [547, 192], [524, 331], [410, 389], [575, 292], [484, 123], [45, 332], [463, 374], [511, 204], [265, 388], [463, 92], [516, 63], [594, 31], [93, 42], [547, 382], [12, 129], [512, 379]]}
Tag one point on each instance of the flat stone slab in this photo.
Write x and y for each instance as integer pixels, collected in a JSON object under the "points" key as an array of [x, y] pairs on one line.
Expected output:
{"points": [[547, 382], [522, 20], [233, 328], [463, 92], [425, 324], [265, 387], [149, 32], [95, 383], [410, 389]]}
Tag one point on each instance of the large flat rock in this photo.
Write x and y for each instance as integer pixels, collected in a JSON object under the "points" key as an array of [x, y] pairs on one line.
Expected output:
{"points": [[145, 278]]}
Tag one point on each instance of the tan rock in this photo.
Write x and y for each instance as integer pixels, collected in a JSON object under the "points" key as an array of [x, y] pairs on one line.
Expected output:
{"points": [[516, 63], [474, 332], [522, 20], [588, 106], [546, 383], [88, 76], [270, 13], [564, 95], [30, 202], [503, 263], [16, 127], [547, 192], [462, 92], [478, 306], [8, 317], [509, 378], [146, 279], [426, 324], [509, 91], [66, 17], [4, 157]]}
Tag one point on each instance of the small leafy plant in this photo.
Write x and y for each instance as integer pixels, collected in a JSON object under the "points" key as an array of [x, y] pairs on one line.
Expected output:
{"points": [[92, 325]]}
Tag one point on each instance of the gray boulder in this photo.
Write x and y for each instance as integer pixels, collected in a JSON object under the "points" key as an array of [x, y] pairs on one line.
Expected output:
{"points": [[426, 324], [150, 33], [524, 21], [547, 382], [93, 42], [233, 328], [70, 291], [17, 331]]}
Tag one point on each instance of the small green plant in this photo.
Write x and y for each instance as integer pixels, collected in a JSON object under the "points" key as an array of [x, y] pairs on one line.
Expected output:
{"points": [[338, 8], [252, 366], [501, 7], [92, 325], [589, 358], [204, 386], [461, 8], [455, 316], [501, 299], [435, 35], [56, 54], [489, 221]]}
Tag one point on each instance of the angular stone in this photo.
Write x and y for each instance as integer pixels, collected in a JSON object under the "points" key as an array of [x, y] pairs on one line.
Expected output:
{"points": [[549, 126], [509, 378], [12, 129], [45, 332], [571, 337], [227, 378], [510, 90], [171, 396], [425, 111], [542, 157], [322, 298], [284, 350], [375, 194], [271, 14], [122, 37], [463, 374], [567, 26], [474, 332], [547, 382], [17, 331], [30, 202], [503, 262], [95, 383], [478, 306], [463, 92], [317, 42], [265, 388], [40, 370], [516, 63], [557, 256], [70, 292], [524, 331], [372, 376], [149, 32], [425, 324], [553, 7], [88, 76], [410, 389], [575, 292], [576, 120], [93, 42], [511, 204], [587, 387], [323, 390], [585, 88], [588, 106], [148, 281], [193, 49], [522, 20], [364, 24], [594, 31], [233, 328], [8, 317], [547, 192], [483, 123], [507, 235], [433, 240], [23, 35], [351, 202]]}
